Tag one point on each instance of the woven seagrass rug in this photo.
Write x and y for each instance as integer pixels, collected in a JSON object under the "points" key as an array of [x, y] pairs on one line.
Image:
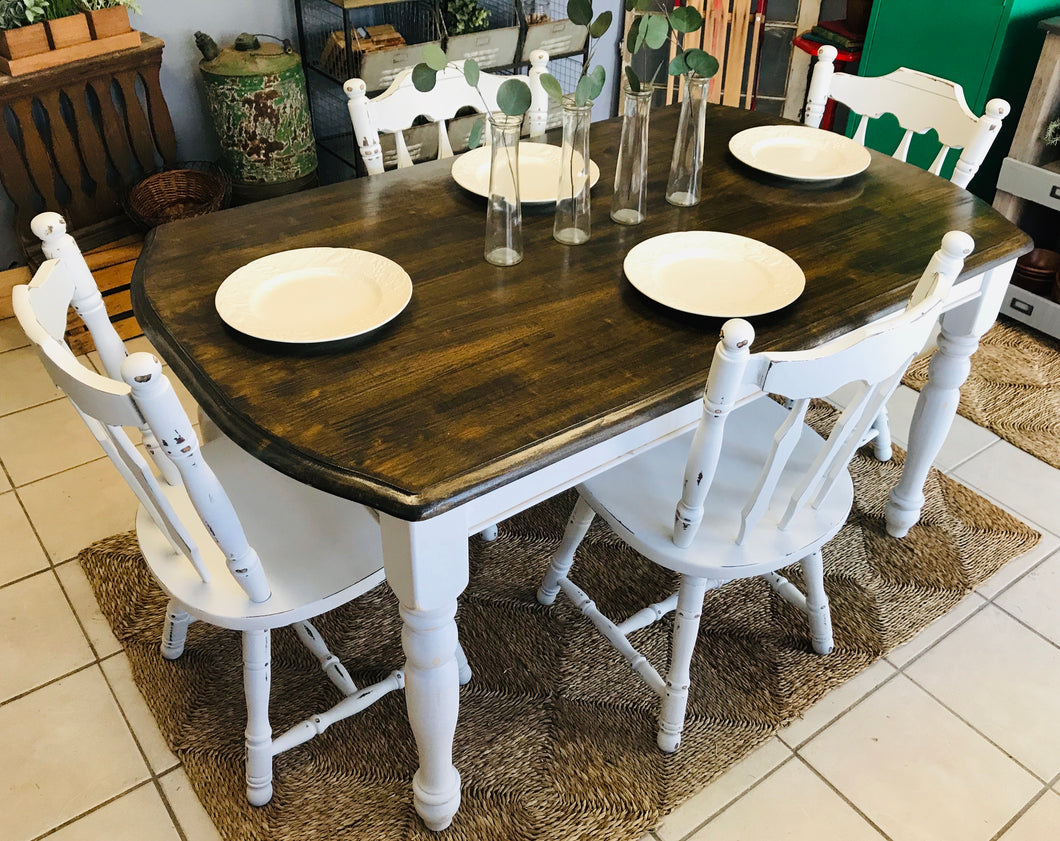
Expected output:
{"points": [[1013, 388], [555, 740]]}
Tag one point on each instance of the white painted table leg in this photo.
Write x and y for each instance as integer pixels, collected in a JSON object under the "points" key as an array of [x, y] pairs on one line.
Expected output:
{"points": [[426, 566], [936, 407]]}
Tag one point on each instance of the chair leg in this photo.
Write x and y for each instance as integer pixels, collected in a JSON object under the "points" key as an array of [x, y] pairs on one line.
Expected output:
{"points": [[463, 667], [257, 647], [578, 524], [686, 629], [175, 630], [817, 609], [882, 445], [331, 664]]}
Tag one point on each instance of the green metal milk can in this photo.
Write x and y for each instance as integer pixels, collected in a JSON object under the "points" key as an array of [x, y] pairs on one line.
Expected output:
{"points": [[256, 94]]}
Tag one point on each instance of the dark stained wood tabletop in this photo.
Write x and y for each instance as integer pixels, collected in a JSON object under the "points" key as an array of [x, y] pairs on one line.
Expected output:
{"points": [[491, 373]]}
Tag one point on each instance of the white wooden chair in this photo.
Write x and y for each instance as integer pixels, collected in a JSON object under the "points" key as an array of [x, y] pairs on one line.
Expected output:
{"points": [[398, 107], [770, 494], [920, 102], [230, 540]]}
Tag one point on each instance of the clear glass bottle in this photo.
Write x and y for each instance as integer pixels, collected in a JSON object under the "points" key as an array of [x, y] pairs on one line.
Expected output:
{"points": [[504, 215], [686, 166], [572, 194], [631, 172]]}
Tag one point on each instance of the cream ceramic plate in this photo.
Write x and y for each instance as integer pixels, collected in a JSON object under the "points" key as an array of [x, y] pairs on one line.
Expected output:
{"points": [[313, 295], [716, 274], [538, 172], [800, 152]]}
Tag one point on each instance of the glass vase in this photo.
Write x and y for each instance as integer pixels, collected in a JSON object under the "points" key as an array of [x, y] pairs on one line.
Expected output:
{"points": [[631, 173], [572, 194], [686, 166], [504, 216]]}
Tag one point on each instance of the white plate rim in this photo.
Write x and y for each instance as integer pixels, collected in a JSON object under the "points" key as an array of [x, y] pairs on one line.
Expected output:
{"points": [[640, 259], [740, 144], [468, 166], [233, 292]]}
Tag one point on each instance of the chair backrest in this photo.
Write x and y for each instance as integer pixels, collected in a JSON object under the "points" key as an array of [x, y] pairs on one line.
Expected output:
{"points": [[873, 358], [920, 102], [143, 397], [398, 107]]}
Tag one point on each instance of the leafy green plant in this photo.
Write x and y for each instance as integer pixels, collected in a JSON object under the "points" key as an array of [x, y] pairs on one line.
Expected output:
{"points": [[99, 5], [55, 9], [16, 13], [463, 16], [658, 24], [592, 79], [513, 95]]}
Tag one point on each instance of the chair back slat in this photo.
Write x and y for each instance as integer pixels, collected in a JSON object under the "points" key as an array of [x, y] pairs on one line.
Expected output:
{"points": [[873, 358]]}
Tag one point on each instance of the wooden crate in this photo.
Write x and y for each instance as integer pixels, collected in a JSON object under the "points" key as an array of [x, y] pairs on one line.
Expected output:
{"points": [[112, 267]]}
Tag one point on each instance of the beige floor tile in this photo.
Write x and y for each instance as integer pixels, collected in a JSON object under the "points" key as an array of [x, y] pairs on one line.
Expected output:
{"points": [[1041, 822], [1032, 599], [75, 508], [191, 816], [964, 440], [66, 750], [40, 639], [1018, 567], [20, 551], [792, 804], [79, 591], [139, 815], [1004, 680], [119, 675], [45, 440], [917, 771], [11, 335], [723, 790], [835, 703], [936, 630], [26, 383], [5, 484], [1018, 481]]}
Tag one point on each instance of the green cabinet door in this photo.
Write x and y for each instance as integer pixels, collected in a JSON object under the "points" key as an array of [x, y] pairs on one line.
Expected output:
{"points": [[989, 47]]}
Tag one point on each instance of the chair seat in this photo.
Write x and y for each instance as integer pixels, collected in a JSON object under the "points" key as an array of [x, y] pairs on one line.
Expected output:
{"points": [[638, 498], [318, 551]]}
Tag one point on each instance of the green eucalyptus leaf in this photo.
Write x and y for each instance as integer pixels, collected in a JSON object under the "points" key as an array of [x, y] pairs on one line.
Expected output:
{"points": [[601, 24], [513, 97], [677, 65], [686, 19], [632, 80], [434, 56], [474, 140], [424, 77], [583, 93], [631, 5], [471, 72], [580, 12], [631, 35], [551, 86], [643, 5], [702, 63], [597, 76], [657, 30]]}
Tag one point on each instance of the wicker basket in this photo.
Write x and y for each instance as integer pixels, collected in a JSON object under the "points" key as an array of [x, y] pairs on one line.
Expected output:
{"points": [[179, 193]]}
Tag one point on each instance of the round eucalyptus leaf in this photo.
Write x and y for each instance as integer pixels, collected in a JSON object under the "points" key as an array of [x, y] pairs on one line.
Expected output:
{"points": [[631, 5], [677, 65], [643, 5], [474, 140], [551, 86], [703, 63], [580, 11], [471, 72], [632, 80], [434, 56], [635, 36], [686, 19], [582, 93], [424, 77], [601, 24], [513, 97], [597, 77], [657, 30]]}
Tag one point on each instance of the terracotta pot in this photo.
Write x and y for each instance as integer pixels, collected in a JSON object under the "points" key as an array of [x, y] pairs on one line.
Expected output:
{"points": [[103, 23], [67, 31], [24, 41]]}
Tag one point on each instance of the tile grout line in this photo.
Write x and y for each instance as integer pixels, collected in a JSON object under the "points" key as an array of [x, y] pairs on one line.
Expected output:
{"points": [[841, 796]]}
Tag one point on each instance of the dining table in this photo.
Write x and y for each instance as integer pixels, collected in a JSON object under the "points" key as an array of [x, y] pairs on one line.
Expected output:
{"points": [[498, 387]]}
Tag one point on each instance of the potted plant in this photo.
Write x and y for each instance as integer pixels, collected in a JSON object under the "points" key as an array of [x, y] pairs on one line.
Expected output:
{"points": [[65, 23], [22, 30], [109, 17]]}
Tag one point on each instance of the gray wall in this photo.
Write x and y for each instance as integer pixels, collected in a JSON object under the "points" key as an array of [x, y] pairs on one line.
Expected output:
{"points": [[176, 23]]}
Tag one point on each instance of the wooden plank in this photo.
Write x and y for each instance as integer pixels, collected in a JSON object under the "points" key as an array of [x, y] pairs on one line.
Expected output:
{"points": [[737, 53], [114, 277], [77, 52], [80, 341], [8, 281], [126, 250]]}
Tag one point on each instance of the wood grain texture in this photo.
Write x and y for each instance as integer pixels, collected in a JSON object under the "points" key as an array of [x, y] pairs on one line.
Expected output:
{"points": [[491, 373]]}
